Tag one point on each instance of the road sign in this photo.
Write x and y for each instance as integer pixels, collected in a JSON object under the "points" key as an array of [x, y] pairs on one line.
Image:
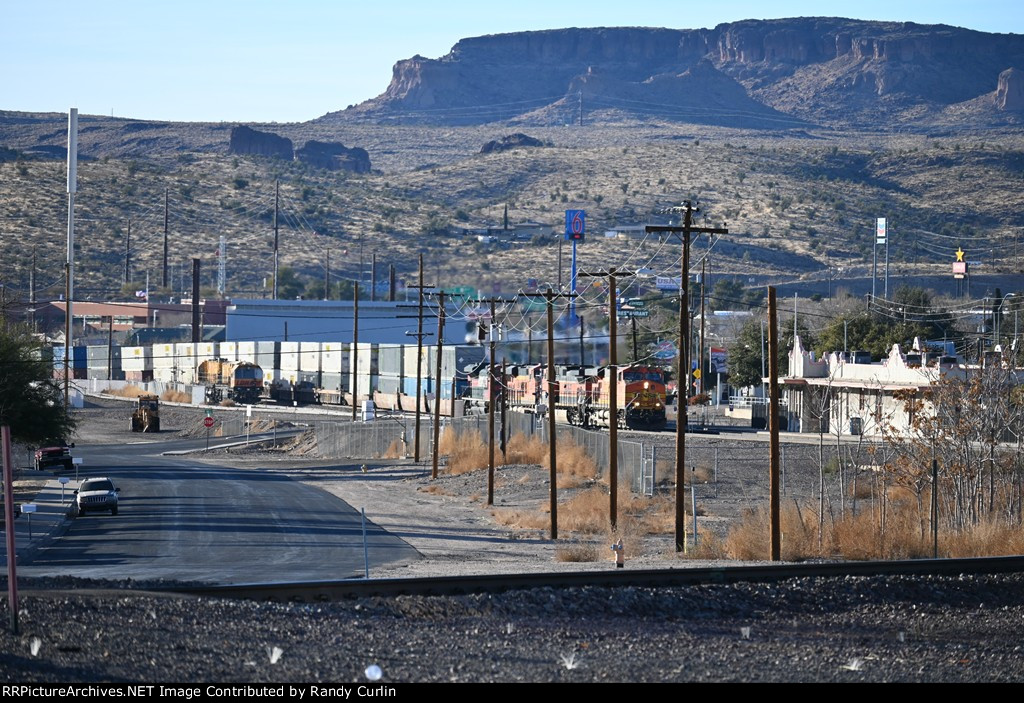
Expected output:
{"points": [[575, 225], [208, 421], [637, 302]]}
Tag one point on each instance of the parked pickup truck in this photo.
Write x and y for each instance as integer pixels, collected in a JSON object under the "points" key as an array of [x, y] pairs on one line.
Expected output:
{"points": [[55, 456]]}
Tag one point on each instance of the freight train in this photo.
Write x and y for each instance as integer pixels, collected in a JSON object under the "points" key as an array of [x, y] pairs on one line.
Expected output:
{"points": [[285, 372], [581, 394], [328, 372]]}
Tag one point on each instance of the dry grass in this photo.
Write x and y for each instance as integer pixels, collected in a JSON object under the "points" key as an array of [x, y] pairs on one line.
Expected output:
{"points": [[126, 392], [904, 536], [525, 450], [435, 489], [577, 552], [228, 403], [464, 450], [575, 467], [173, 396], [395, 450], [523, 519]]}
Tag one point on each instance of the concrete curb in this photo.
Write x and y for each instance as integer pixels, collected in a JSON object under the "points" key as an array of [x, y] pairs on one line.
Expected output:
{"points": [[50, 521]]}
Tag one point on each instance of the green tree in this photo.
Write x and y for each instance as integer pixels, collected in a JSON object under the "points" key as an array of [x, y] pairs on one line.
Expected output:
{"points": [[31, 400], [745, 352]]}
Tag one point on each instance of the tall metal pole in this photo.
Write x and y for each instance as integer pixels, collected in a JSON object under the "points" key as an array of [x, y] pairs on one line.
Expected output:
{"points": [[613, 404], [327, 276], [572, 286], [277, 203], [437, 382], [355, 350], [419, 365], [166, 282], [391, 283], [773, 425], [70, 265], [700, 353], [552, 433]]}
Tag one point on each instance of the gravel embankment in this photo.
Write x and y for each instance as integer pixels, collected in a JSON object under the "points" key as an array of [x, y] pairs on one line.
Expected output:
{"points": [[843, 629], [963, 629]]}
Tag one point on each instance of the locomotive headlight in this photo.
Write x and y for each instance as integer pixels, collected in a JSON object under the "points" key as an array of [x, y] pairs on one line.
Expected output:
{"points": [[647, 384]]}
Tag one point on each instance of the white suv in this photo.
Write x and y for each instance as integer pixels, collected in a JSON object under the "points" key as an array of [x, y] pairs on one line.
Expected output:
{"points": [[97, 494]]}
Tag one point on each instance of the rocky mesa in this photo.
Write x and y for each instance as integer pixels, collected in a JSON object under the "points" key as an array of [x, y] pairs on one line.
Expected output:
{"points": [[765, 74]]}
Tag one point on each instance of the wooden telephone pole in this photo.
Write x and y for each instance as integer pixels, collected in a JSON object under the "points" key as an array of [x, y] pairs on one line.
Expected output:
{"points": [[683, 375]]}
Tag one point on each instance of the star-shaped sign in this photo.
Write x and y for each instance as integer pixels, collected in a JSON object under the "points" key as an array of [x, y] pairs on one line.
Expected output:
{"points": [[960, 254]]}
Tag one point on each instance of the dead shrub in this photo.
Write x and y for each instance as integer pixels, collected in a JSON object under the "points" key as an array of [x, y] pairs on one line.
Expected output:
{"points": [[228, 403], [585, 512], [126, 392], [464, 450], [395, 450], [524, 450], [522, 519], [172, 396], [577, 552], [575, 467]]}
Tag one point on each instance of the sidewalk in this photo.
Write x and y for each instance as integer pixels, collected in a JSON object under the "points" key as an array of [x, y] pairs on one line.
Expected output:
{"points": [[49, 520]]}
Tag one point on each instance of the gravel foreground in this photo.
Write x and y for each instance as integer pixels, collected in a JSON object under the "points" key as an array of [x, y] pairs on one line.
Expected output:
{"points": [[927, 629]]}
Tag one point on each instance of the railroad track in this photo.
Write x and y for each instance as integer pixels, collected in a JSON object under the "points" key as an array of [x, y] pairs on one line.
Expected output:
{"points": [[457, 585]]}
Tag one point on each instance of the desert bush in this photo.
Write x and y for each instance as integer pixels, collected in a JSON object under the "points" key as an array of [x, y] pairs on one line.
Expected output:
{"points": [[464, 450], [172, 396], [126, 392]]}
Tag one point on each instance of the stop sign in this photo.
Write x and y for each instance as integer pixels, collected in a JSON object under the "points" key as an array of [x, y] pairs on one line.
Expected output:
{"points": [[208, 422]]}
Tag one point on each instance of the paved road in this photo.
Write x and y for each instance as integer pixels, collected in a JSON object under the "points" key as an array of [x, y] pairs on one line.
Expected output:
{"points": [[186, 520]]}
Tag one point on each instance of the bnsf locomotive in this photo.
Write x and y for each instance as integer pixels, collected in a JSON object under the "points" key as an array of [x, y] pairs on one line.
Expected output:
{"points": [[581, 394]]}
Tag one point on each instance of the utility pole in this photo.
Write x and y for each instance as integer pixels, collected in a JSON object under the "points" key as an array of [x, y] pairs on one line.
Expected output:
{"points": [[373, 277], [583, 361], [110, 348], [503, 440], [682, 380], [327, 276], [419, 361], [492, 386], [355, 348], [636, 356], [773, 425], [552, 432], [195, 301], [127, 254], [552, 397], [437, 382], [700, 353], [612, 378], [32, 293], [277, 203], [166, 283], [69, 267], [391, 283]]}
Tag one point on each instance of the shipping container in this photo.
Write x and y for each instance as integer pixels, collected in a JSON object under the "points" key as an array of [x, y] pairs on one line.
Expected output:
{"points": [[163, 356], [185, 356], [137, 358], [309, 357], [391, 359], [290, 356]]}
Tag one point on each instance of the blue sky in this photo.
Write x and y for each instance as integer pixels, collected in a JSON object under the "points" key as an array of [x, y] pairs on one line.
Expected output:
{"points": [[261, 61]]}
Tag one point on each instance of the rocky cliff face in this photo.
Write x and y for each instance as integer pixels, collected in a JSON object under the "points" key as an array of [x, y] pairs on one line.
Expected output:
{"points": [[334, 157], [818, 69], [1010, 92], [245, 140]]}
